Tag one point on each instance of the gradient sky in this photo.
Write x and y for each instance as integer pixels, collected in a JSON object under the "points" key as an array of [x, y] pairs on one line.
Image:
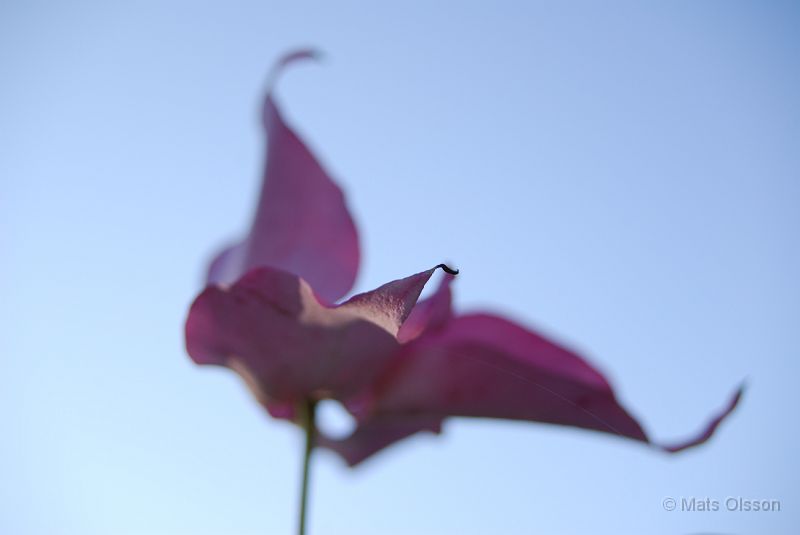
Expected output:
{"points": [[622, 177]]}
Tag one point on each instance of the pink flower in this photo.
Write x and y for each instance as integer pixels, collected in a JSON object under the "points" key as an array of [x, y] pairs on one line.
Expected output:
{"points": [[398, 365], [487, 366]]}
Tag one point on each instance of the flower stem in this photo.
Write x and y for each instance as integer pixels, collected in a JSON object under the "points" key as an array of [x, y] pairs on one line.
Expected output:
{"points": [[308, 421]]}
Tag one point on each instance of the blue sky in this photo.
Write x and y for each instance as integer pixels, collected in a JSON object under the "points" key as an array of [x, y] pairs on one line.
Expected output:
{"points": [[622, 177]]}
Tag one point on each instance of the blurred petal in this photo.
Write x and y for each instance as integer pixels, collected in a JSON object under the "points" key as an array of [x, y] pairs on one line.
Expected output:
{"points": [[711, 426], [271, 329], [486, 366], [288, 346], [374, 435], [371, 437], [302, 224]]}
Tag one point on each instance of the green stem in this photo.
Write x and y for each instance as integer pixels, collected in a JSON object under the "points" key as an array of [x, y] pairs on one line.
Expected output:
{"points": [[308, 420]]}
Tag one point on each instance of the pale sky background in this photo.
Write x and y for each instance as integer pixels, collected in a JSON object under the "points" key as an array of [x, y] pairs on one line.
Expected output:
{"points": [[622, 176]]}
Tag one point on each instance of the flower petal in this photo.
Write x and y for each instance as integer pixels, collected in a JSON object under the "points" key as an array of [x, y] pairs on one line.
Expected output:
{"points": [[486, 366], [271, 329], [710, 427], [301, 224], [430, 313], [482, 365], [391, 304], [371, 437], [288, 346]]}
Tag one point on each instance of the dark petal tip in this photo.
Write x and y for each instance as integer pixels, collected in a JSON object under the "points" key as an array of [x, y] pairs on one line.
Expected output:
{"points": [[447, 269]]}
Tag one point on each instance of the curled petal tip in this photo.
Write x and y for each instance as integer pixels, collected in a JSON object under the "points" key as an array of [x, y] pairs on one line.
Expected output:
{"points": [[287, 59], [301, 53], [447, 269], [711, 426]]}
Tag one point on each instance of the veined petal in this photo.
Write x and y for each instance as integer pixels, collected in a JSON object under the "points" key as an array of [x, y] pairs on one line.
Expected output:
{"points": [[482, 365], [301, 224], [391, 304], [486, 366]]}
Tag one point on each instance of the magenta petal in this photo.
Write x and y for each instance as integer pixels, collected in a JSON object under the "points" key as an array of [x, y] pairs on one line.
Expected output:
{"points": [[271, 329], [482, 365], [372, 437], [376, 434], [710, 427], [391, 304], [486, 366], [302, 224], [288, 346], [429, 313]]}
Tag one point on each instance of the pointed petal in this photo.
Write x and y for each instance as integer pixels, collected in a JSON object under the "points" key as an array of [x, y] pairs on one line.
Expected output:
{"points": [[302, 224], [391, 304], [485, 366], [430, 313]]}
